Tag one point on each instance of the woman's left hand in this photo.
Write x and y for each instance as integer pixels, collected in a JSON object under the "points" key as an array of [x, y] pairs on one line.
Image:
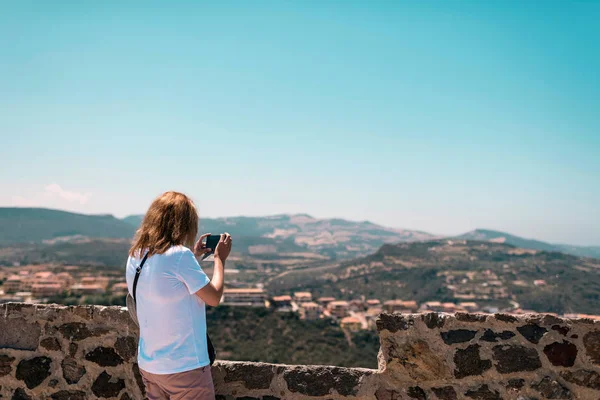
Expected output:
{"points": [[200, 247]]}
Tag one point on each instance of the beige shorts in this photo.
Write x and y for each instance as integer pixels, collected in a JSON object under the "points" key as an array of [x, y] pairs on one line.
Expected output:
{"points": [[196, 384]]}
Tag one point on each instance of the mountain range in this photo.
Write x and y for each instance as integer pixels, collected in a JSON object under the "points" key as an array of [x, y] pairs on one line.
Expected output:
{"points": [[501, 237], [270, 235]]}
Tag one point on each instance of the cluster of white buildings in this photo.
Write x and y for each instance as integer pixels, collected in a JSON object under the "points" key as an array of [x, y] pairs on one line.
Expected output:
{"points": [[353, 315], [32, 286]]}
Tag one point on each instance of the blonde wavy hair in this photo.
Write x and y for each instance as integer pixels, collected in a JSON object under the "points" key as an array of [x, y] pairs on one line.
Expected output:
{"points": [[171, 220]]}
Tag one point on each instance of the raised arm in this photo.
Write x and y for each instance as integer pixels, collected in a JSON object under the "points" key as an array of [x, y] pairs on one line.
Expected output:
{"points": [[211, 294]]}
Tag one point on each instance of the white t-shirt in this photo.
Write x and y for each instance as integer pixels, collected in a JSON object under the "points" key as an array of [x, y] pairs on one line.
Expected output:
{"points": [[172, 319]]}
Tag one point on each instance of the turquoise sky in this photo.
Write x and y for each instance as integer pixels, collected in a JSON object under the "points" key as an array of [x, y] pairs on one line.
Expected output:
{"points": [[443, 116]]}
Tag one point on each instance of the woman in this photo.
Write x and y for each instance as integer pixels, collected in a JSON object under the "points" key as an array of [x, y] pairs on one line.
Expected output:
{"points": [[171, 293]]}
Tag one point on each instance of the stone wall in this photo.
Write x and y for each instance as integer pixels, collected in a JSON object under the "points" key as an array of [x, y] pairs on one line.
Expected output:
{"points": [[73, 353]]}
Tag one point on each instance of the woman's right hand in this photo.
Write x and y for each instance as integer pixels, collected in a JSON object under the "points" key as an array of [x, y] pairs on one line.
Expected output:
{"points": [[223, 247]]}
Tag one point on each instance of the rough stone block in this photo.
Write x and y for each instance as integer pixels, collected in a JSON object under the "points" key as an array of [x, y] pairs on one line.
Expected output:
{"points": [[445, 393], [50, 343], [457, 336], [20, 394], [72, 371], [104, 356], [468, 362], [415, 392], [126, 346], [469, 317], [591, 341], [33, 371], [19, 334], [75, 331], [561, 354], [415, 359], [491, 336], [515, 384], [532, 332], [106, 386], [515, 358], [394, 322], [552, 389], [69, 395], [254, 376], [506, 318], [434, 320], [483, 392], [321, 381], [6, 364], [583, 377]]}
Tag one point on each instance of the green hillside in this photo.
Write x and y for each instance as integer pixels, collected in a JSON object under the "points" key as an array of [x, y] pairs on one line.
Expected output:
{"points": [[22, 225], [496, 274], [258, 334]]}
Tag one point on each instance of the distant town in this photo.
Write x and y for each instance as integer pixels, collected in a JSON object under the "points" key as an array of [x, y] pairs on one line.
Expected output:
{"points": [[77, 285]]}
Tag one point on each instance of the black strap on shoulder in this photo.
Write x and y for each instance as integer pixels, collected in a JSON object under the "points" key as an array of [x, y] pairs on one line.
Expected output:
{"points": [[138, 270]]}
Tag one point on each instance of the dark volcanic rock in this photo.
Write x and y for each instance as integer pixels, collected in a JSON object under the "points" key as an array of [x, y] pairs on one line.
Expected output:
{"points": [[532, 332], [394, 322], [505, 318], [457, 336], [72, 372], [105, 386], [104, 356], [20, 394], [561, 354], [468, 317], [126, 347], [416, 392], [515, 384], [34, 371], [320, 381], [253, 376], [469, 363], [491, 336], [19, 334], [125, 396], [433, 320], [53, 383], [515, 358], [583, 377], [69, 395], [563, 330], [50, 343], [387, 394], [551, 389], [483, 392], [75, 331], [591, 341], [72, 349], [445, 393], [6, 364]]}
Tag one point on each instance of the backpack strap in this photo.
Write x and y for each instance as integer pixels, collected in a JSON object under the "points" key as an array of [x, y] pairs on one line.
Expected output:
{"points": [[138, 270]]}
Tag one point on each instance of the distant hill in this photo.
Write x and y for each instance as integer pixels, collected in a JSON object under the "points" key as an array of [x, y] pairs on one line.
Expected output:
{"points": [[501, 237], [491, 274], [335, 238], [23, 225]]}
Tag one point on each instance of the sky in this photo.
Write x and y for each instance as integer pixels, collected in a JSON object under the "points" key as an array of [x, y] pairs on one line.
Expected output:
{"points": [[442, 116]]}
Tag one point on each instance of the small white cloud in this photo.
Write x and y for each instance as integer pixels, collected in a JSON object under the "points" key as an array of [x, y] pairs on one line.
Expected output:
{"points": [[55, 190]]}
